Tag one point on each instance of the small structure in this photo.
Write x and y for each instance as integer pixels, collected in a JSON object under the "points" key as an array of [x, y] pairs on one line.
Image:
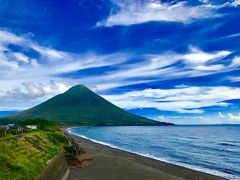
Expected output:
{"points": [[14, 127], [32, 126]]}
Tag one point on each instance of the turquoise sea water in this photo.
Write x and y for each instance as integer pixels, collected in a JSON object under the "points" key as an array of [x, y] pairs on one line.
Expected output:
{"points": [[211, 149]]}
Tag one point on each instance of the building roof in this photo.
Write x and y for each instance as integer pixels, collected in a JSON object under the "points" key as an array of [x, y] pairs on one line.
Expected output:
{"points": [[15, 127]]}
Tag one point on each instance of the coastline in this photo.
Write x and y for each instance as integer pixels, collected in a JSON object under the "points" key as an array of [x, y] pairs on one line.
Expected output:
{"points": [[113, 163]]}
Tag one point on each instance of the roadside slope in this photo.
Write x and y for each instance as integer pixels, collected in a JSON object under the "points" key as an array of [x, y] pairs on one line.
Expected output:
{"points": [[26, 155]]}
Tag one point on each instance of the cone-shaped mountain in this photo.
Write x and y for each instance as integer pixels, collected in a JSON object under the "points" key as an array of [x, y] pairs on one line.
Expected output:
{"points": [[81, 106]]}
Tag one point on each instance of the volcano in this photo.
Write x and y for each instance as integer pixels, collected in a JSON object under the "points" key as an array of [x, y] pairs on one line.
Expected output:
{"points": [[81, 106]]}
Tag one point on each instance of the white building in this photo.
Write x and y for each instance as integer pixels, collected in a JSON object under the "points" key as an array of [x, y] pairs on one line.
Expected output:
{"points": [[32, 126]]}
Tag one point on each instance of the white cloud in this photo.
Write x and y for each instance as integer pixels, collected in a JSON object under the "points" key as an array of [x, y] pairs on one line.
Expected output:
{"points": [[183, 100], [190, 119], [235, 79], [30, 94], [196, 56], [221, 115], [7, 38], [17, 64], [8, 65], [160, 118], [35, 90], [216, 67], [21, 57], [48, 52], [29, 79], [230, 115], [235, 62], [234, 118], [230, 118], [136, 12], [161, 66], [234, 3], [204, 1]]}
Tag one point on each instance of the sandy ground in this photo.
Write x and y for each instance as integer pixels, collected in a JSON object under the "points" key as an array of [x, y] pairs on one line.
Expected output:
{"points": [[100, 162]]}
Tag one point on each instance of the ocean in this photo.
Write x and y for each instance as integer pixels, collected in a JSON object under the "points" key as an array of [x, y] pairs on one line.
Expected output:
{"points": [[213, 149]]}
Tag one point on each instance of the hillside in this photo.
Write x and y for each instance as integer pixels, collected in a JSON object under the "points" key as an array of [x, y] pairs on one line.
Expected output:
{"points": [[81, 106], [24, 156]]}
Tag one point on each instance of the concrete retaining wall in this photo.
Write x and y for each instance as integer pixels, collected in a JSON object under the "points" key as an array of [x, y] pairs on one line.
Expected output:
{"points": [[56, 169]]}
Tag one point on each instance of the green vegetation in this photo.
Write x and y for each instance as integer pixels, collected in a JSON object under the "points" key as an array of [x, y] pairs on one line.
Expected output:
{"points": [[24, 156], [42, 124], [81, 106]]}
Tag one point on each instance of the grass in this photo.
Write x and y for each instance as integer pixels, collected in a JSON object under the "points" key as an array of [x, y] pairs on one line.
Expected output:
{"points": [[24, 156]]}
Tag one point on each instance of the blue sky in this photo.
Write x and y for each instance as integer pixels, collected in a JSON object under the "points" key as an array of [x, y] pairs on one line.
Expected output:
{"points": [[175, 61]]}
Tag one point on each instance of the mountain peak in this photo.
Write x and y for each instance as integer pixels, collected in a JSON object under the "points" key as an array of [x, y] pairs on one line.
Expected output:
{"points": [[80, 88]]}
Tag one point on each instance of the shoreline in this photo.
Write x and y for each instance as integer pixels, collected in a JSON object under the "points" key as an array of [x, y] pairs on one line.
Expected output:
{"points": [[113, 161], [191, 167]]}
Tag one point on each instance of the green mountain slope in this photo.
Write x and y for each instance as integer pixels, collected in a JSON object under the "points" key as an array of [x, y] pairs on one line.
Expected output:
{"points": [[81, 106]]}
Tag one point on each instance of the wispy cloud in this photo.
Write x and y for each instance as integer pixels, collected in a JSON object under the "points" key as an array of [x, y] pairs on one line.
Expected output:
{"points": [[50, 62], [34, 79], [190, 119], [221, 115], [198, 57], [165, 67], [235, 62], [235, 79], [182, 99], [137, 12], [234, 3], [230, 118]]}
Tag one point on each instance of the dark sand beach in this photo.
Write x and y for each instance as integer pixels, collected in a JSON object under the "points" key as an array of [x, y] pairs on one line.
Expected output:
{"points": [[100, 162]]}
